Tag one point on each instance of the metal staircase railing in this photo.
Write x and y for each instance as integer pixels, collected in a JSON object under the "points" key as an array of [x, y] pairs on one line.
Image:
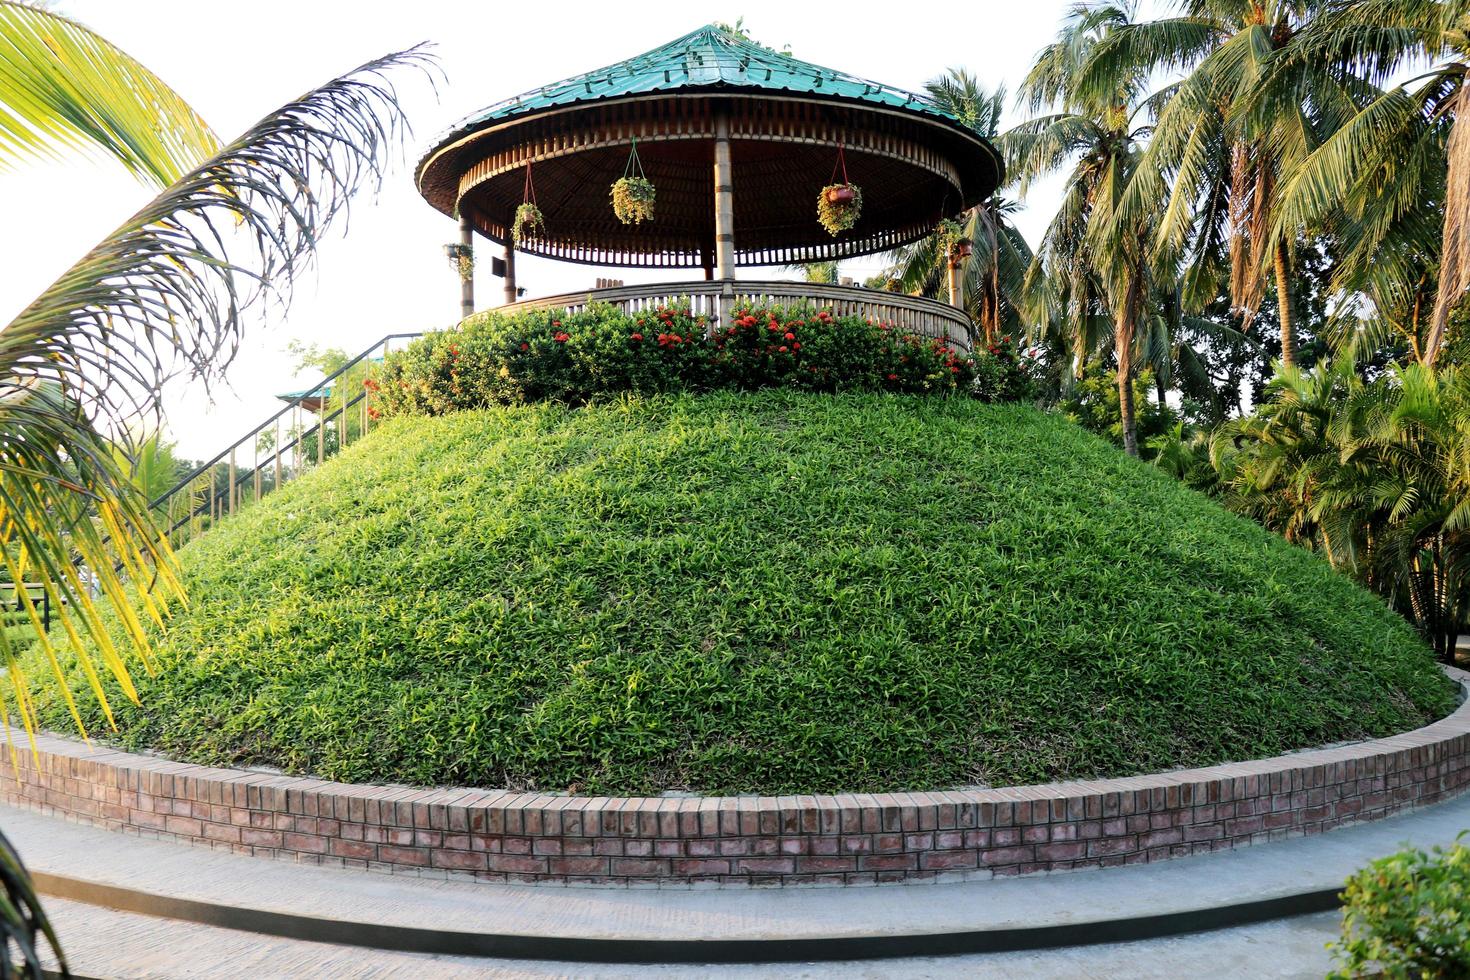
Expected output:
{"points": [[277, 451]]}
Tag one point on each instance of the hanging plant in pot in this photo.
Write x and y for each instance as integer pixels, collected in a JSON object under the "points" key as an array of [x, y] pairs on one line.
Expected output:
{"points": [[529, 222], [633, 193], [840, 204], [632, 199]]}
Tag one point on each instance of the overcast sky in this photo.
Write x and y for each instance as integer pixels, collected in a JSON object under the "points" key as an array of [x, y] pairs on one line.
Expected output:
{"points": [[237, 61]]}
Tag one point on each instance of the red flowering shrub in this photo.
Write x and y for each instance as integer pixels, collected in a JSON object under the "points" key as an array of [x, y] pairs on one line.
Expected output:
{"points": [[577, 357]]}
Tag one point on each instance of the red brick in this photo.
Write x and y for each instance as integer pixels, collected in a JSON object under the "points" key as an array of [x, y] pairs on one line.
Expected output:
{"points": [[417, 857], [352, 849], [459, 860], [947, 860]]}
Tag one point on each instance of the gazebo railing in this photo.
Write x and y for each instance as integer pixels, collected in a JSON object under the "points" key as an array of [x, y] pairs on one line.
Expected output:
{"points": [[915, 314]]}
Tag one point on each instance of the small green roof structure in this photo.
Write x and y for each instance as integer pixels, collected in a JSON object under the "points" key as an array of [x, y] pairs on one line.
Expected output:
{"points": [[739, 142]]}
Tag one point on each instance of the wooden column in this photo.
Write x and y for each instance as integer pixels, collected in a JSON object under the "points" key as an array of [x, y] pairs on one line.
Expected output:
{"points": [[510, 262], [955, 293], [467, 283], [724, 214]]}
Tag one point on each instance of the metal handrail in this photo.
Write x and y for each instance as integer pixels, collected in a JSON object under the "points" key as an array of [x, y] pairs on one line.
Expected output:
{"points": [[293, 404], [267, 469]]}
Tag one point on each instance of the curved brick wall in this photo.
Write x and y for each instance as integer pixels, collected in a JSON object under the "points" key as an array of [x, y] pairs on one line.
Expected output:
{"points": [[782, 840]]}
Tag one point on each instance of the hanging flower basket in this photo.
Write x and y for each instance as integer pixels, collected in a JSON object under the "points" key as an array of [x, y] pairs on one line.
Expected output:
{"points": [[465, 262], [632, 193], [632, 199], [529, 223], [839, 206], [948, 234]]}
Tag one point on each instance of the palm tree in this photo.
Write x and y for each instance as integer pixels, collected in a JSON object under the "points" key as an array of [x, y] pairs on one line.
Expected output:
{"points": [[161, 297], [1091, 263], [1394, 145], [992, 276], [1245, 115]]}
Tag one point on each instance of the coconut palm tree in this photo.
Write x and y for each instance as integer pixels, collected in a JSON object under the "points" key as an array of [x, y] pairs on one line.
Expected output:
{"points": [[1092, 262], [1245, 115], [1398, 139], [992, 275], [162, 297]]}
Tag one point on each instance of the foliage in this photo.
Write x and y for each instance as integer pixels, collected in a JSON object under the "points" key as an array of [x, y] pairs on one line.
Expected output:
{"points": [[839, 216], [24, 927], [105, 103], [760, 592], [160, 297], [1093, 404], [632, 199], [529, 223], [1006, 375], [1374, 474], [541, 355], [1408, 915]]}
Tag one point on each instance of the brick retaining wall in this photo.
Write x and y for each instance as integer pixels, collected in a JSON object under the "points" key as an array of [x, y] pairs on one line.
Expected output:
{"points": [[768, 840]]}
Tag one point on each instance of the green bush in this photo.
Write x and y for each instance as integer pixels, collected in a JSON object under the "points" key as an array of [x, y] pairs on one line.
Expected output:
{"points": [[1408, 916], [774, 591], [498, 359]]}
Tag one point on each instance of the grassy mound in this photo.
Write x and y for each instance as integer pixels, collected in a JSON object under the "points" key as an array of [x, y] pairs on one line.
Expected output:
{"points": [[772, 592]]}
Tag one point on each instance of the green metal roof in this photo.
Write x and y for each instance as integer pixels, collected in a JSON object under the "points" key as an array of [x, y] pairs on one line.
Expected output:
{"points": [[708, 58]]}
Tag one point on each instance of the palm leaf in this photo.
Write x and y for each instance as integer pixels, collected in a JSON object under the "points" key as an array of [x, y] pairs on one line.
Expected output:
{"points": [[63, 87], [161, 297]]}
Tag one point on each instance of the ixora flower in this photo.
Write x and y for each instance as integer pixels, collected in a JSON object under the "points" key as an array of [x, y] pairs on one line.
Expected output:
{"points": [[636, 336], [560, 337]]}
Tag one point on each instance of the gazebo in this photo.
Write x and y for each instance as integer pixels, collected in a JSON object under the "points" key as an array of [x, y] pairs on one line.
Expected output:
{"points": [[739, 141]]}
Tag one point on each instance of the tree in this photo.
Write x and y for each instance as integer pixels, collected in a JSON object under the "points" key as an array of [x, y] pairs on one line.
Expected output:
{"points": [[1226, 135], [162, 297], [1093, 265], [992, 276], [1375, 474], [1389, 155]]}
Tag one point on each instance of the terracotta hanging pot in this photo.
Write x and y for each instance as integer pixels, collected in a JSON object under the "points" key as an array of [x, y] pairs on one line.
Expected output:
{"points": [[964, 249], [841, 194]]}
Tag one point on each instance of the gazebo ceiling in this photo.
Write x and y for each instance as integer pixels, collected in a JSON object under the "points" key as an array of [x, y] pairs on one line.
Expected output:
{"points": [[787, 118]]}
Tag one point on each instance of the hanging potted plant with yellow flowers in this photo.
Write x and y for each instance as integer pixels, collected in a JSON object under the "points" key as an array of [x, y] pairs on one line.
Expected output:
{"points": [[633, 193], [529, 222], [840, 204]]}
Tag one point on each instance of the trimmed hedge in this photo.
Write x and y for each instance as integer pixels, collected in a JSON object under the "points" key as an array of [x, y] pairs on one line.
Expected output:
{"points": [[771, 592], [499, 359]]}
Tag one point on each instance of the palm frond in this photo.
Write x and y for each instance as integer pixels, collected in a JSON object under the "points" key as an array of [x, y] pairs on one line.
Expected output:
{"points": [[162, 296], [63, 87]]}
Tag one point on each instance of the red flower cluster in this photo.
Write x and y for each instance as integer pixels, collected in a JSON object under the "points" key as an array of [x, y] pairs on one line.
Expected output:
{"points": [[636, 336], [560, 337]]}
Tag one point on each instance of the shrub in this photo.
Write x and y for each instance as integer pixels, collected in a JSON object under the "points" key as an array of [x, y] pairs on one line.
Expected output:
{"points": [[1408, 915], [553, 355], [1004, 376]]}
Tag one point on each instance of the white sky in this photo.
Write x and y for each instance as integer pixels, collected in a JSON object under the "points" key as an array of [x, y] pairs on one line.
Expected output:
{"points": [[237, 61]]}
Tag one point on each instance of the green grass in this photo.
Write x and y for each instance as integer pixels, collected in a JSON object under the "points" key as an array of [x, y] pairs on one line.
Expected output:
{"points": [[772, 592]]}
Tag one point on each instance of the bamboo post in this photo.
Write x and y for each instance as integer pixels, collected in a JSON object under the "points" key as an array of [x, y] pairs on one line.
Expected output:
{"points": [[510, 262], [467, 283], [724, 215]]}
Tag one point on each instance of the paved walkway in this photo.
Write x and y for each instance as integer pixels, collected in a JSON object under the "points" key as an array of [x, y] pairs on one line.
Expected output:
{"points": [[199, 891], [118, 946]]}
